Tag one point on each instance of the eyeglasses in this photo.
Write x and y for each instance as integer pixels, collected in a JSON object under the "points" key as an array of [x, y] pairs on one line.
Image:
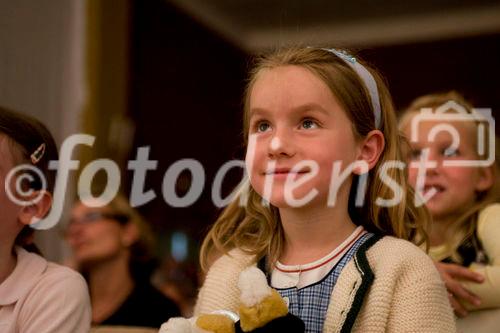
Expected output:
{"points": [[96, 216]]}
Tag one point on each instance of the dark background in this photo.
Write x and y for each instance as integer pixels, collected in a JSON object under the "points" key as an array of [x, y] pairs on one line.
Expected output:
{"points": [[187, 81]]}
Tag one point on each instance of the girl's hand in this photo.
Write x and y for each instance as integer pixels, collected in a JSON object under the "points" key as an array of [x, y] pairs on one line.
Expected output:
{"points": [[451, 274]]}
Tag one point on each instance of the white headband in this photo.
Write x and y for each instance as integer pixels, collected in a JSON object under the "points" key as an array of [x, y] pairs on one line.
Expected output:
{"points": [[366, 77]]}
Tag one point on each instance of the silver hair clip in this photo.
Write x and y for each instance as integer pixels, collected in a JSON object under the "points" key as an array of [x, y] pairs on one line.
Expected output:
{"points": [[38, 154], [367, 79]]}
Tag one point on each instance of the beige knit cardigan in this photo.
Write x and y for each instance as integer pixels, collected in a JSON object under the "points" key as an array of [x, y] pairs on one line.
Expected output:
{"points": [[390, 285]]}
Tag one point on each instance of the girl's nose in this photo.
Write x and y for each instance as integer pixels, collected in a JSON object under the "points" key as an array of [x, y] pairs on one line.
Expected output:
{"points": [[281, 144], [434, 162]]}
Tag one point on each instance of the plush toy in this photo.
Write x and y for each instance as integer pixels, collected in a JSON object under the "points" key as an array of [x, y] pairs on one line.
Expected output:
{"points": [[261, 310], [205, 323]]}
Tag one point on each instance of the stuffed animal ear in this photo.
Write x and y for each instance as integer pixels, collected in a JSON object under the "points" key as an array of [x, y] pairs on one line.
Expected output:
{"points": [[262, 308], [258, 315], [253, 286], [216, 323]]}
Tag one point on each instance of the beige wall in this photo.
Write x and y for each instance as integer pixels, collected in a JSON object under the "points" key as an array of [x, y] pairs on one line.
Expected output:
{"points": [[66, 63], [42, 70]]}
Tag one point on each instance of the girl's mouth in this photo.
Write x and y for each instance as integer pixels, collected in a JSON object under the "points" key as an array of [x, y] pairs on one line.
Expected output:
{"points": [[438, 188], [285, 173]]}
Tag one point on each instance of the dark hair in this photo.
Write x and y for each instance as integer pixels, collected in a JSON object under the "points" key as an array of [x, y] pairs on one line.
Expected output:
{"points": [[25, 135], [142, 261]]}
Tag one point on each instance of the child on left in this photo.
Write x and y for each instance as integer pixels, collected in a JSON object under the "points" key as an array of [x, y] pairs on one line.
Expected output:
{"points": [[35, 295]]}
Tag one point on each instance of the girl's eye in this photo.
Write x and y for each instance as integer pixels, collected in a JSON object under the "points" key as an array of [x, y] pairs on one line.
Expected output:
{"points": [[263, 126], [309, 124], [450, 152], [415, 154]]}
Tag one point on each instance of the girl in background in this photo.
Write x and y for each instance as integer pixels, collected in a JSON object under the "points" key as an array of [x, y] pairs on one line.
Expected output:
{"points": [[466, 216]]}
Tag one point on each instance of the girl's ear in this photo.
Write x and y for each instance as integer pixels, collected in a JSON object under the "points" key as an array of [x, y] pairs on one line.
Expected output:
{"points": [[36, 210], [486, 179], [371, 148], [130, 234]]}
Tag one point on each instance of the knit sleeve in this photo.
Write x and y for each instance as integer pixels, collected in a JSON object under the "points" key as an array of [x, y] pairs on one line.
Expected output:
{"points": [[220, 289], [488, 233], [420, 301]]}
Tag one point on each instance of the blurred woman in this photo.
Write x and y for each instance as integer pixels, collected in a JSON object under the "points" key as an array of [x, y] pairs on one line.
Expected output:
{"points": [[112, 249]]}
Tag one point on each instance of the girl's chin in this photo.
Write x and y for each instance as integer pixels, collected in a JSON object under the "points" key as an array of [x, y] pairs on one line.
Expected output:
{"points": [[88, 261], [90, 255], [300, 198], [296, 203], [439, 211]]}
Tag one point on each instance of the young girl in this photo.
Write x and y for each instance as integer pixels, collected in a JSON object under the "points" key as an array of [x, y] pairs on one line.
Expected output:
{"points": [[342, 266], [465, 228], [35, 295]]}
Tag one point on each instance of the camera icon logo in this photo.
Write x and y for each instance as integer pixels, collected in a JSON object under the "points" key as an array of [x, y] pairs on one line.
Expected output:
{"points": [[482, 120]]}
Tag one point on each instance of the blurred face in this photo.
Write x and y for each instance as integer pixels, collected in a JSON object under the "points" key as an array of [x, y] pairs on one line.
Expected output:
{"points": [[293, 117], [95, 235], [456, 187]]}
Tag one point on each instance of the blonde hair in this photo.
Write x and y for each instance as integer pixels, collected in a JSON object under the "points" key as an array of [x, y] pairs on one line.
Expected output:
{"points": [[256, 229], [466, 223]]}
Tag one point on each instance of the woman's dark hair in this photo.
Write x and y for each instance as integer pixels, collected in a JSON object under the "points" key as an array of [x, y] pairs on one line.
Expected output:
{"points": [[25, 136], [142, 261]]}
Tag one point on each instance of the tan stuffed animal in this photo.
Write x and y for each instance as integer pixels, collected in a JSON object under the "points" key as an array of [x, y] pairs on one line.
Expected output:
{"points": [[261, 310]]}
